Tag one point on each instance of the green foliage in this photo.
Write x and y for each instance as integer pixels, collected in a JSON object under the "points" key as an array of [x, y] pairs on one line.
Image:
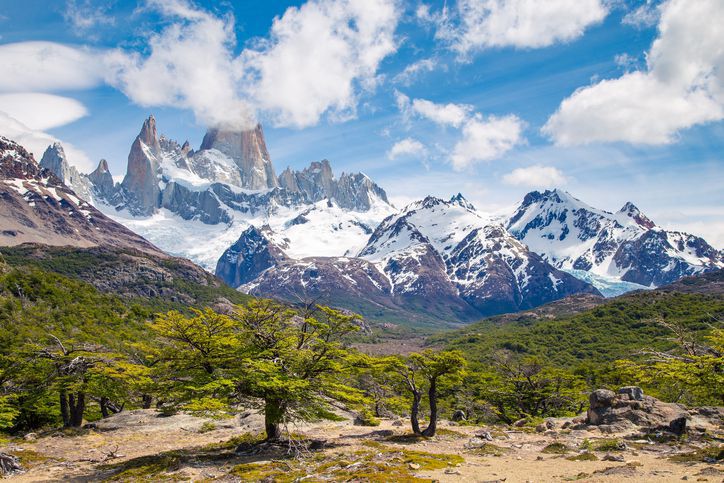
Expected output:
{"points": [[581, 352], [526, 388], [556, 448], [615, 330], [285, 362]]}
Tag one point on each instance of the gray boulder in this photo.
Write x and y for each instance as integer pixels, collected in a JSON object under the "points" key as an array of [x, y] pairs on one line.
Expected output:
{"points": [[631, 408]]}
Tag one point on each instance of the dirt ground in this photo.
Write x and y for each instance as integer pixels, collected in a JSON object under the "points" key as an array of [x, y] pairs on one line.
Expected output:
{"points": [[141, 446]]}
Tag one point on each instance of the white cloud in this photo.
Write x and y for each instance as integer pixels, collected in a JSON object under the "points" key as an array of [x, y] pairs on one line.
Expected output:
{"points": [[318, 60], [485, 139], [535, 176], [407, 147], [47, 66], [414, 70], [37, 141], [682, 86], [42, 111], [318, 56], [445, 114], [83, 15], [190, 66], [645, 15], [478, 24]]}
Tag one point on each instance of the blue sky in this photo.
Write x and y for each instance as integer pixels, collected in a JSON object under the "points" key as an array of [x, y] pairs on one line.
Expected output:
{"points": [[613, 100]]}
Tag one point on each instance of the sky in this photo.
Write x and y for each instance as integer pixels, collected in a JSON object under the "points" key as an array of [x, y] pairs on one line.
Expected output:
{"points": [[611, 100]]}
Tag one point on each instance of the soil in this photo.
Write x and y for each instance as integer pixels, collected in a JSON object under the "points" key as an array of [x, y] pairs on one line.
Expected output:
{"points": [[196, 450]]}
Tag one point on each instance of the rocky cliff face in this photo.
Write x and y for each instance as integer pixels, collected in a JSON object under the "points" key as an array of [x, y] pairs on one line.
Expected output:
{"points": [[248, 151], [625, 245], [141, 183], [102, 181], [317, 182], [37, 207], [230, 176], [55, 160]]}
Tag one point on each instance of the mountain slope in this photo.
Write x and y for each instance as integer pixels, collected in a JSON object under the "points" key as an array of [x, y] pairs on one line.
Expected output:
{"points": [[625, 245], [613, 329], [38, 208], [435, 263], [489, 268]]}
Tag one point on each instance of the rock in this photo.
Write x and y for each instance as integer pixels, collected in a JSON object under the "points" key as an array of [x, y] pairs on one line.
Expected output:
{"points": [[611, 457], [414, 466], [621, 412], [476, 442], [9, 464], [520, 423], [678, 426], [634, 393], [458, 415], [550, 423], [248, 150], [601, 398], [317, 444], [30, 437], [541, 428], [382, 433], [397, 422], [450, 471], [141, 180], [484, 435]]}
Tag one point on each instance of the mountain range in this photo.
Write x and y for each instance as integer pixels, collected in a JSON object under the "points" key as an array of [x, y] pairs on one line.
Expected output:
{"points": [[309, 234]]}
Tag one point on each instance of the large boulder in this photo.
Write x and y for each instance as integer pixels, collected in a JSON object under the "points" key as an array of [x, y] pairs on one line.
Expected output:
{"points": [[630, 409]]}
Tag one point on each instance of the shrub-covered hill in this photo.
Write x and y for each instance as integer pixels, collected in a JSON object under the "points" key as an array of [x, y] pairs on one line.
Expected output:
{"points": [[160, 283], [618, 328]]}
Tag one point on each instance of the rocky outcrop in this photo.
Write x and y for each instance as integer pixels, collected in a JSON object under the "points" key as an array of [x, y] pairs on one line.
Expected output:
{"points": [[141, 182], [55, 160], [354, 191], [630, 409], [248, 151], [102, 181], [248, 258]]}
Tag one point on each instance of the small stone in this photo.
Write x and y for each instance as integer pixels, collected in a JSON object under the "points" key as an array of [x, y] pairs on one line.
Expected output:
{"points": [[459, 415], [617, 458], [30, 437], [451, 471], [414, 466]]}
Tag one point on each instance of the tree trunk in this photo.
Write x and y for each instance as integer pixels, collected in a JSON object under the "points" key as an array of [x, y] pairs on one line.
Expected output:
{"points": [[76, 402], [103, 403], [429, 432], [146, 401], [416, 397], [64, 412], [273, 416]]}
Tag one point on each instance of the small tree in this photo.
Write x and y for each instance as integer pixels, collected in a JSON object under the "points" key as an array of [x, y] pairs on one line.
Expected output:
{"points": [[428, 369], [693, 372], [264, 354], [526, 387]]}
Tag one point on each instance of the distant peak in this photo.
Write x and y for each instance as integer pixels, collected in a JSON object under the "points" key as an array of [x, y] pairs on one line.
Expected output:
{"points": [[629, 208], [102, 166], [149, 134], [460, 200], [632, 211]]}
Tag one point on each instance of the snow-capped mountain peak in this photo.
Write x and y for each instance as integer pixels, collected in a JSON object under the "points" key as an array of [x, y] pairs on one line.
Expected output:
{"points": [[626, 245]]}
